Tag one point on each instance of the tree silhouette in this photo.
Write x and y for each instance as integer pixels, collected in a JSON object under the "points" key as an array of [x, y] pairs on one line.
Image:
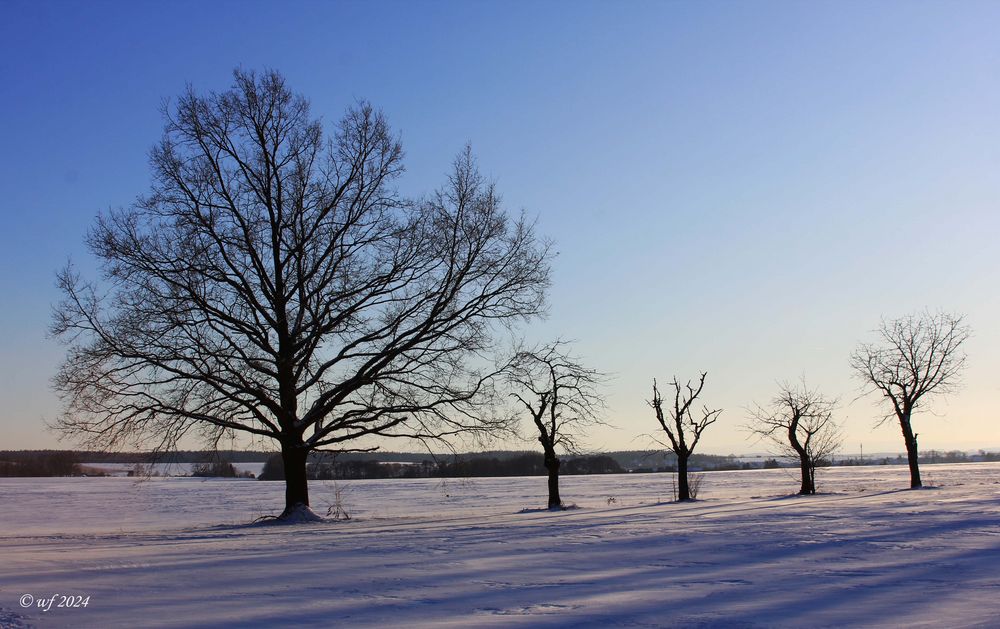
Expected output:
{"points": [[683, 429], [274, 283], [917, 357], [561, 396], [799, 421]]}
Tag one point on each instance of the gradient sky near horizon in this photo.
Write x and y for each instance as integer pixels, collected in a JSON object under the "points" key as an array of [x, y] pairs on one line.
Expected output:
{"points": [[739, 187]]}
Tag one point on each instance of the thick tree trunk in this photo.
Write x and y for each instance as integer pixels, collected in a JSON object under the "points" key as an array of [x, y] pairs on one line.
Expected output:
{"points": [[552, 465], [808, 480], [911, 451], [683, 489], [296, 486]]}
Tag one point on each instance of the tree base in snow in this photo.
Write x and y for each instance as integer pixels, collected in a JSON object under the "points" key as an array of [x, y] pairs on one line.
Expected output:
{"points": [[299, 514], [569, 507]]}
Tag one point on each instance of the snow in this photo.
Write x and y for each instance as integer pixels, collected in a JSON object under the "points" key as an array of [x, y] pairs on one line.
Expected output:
{"points": [[178, 552]]}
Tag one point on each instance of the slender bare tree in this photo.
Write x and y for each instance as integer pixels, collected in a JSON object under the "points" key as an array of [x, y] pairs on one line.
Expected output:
{"points": [[274, 283], [799, 421], [683, 428], [562, 397], [916, 357]]}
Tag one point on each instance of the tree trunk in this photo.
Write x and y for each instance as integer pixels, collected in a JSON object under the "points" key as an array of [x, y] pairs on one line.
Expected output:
{"points": [[552, 465], [808, 486], [296, 486], [808, 483], [911, 451], [683, 490]]}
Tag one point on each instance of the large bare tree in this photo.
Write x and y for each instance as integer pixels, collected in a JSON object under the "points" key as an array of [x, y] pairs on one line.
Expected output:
{"points": [[915, 358], [682, 426], [799, 422], [561, 395], [274, 283]]}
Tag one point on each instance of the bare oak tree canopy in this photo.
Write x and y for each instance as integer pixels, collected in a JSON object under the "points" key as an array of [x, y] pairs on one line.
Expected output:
{"points": [[273, 282], [561, 396], [917, 357], [799, 421], [682, 426]]}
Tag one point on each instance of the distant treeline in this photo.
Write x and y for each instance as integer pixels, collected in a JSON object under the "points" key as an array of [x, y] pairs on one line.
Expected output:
{"points": [[416, 465], [40, 463], [524, 464], [74, 462], [930, 456], [636, 461], [502, 463]]}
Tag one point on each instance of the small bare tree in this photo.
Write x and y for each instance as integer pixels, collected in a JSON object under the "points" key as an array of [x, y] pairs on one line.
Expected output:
{"points": [[683, 428], [561, 396], [799, 421], [917, 357]]}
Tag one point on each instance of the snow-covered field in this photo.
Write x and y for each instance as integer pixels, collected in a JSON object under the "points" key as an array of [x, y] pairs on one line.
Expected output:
{"points": [[173, 552]]}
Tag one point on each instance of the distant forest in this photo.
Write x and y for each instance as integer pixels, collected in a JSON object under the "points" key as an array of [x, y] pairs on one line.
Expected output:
{"points": [[360, 465]]}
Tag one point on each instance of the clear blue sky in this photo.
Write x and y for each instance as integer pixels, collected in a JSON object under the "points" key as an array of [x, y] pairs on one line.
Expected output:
{"points": [[741, 187]]}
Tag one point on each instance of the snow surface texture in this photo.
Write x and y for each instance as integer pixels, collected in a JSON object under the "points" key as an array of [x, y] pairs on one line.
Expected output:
{"points": [[427, 553]]}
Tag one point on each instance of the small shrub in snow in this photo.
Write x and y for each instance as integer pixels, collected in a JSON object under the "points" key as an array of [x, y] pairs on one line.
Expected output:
{"points": [[337, 510]]}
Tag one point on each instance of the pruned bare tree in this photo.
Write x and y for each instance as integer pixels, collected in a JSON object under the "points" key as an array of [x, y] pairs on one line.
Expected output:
{"points": [[799, 422], [916, 357], [563, 399], [682, 426], [274, 283]]}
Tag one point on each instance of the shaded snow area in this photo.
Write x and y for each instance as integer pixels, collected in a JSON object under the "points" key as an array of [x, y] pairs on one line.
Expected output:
{"points": [[421, 553]]}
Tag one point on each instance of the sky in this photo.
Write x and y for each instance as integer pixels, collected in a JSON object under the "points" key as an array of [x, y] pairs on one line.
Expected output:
{"points": [[743, 188]]}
